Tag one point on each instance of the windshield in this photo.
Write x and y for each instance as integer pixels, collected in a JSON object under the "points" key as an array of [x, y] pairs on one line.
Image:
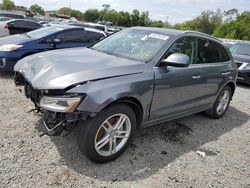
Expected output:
{"points": [[242, 49], [42, 32], [132, 43]]}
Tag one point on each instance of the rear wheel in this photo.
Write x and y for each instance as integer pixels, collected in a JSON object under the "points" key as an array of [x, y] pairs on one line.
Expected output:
{"points": [[106, 136], [221, 104]]}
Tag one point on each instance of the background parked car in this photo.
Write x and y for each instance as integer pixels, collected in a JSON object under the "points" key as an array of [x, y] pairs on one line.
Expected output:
{"points": [[14, 48], [4, 19], [12, 15], [241, 54], [17, 26]]}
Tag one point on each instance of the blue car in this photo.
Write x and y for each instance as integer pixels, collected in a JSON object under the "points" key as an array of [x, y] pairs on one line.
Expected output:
{"points": [[15, 47]]}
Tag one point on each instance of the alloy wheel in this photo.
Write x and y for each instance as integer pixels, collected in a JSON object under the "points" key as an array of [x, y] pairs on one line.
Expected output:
{"points": [[223, 102], [112, 135]]}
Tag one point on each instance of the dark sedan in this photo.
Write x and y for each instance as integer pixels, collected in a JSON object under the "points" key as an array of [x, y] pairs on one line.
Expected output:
{"points": [[241, 55], [17, 26], [14, 48]]}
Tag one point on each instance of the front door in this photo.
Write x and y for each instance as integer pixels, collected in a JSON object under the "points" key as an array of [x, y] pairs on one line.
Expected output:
{"points": [[176, 89]]}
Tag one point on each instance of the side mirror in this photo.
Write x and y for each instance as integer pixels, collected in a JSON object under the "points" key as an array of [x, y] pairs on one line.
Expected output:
{"points": [[55, 42], [176, 60]]}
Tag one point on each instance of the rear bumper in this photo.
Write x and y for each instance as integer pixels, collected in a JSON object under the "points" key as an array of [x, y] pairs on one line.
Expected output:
{"points": [[244, 76]]}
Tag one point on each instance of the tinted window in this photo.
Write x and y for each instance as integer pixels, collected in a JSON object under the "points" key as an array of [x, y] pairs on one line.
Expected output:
{"points": [[94, 36], [211, 52], [73, 36], [185, 45]]}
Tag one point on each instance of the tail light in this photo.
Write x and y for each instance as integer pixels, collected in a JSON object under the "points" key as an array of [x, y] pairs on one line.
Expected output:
{"points": [[6, 26]]}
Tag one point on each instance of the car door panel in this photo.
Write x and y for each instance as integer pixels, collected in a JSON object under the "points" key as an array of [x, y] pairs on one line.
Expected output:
{"points": [[176, 90]]}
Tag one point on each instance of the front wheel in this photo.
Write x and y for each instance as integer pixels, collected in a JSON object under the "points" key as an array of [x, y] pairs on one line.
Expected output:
{"points": [[221, 104], [106, 136]]}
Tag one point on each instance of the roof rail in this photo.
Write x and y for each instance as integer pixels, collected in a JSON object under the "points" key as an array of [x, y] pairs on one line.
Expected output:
{"points": [[204, 34]]}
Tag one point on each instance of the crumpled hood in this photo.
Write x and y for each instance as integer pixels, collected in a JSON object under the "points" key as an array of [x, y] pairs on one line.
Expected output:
{"points": [[241, 58], [60, 69]]}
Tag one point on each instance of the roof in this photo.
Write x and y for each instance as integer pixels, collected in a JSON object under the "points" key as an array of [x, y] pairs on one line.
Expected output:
{"points": [[174, 32], [165, 31], [74, 26]]}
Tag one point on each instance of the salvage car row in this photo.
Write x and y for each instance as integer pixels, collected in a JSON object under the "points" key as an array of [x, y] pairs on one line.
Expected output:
{"points": [[135, 78]]}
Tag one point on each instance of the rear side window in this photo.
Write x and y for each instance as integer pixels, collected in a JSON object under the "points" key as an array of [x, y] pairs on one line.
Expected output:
{"points": [[210, 52], [72, 36], [184, 45], [94, 36]]}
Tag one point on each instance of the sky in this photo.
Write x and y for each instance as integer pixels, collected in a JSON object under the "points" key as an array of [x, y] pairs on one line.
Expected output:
{"points": [[174, 11]]}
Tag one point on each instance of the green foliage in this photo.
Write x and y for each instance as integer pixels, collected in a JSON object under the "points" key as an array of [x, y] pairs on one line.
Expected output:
{"points": [[7, 5], [91, 15], [37, 9], [65, 11], [206, 22], [235, 29], [76, 14]]}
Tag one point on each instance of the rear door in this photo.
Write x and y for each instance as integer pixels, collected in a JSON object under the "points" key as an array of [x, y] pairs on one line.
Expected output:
{"points": [[216, 69]]}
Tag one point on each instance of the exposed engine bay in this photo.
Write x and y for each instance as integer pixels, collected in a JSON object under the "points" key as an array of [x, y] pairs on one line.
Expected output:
{"points": [[54, 122]]}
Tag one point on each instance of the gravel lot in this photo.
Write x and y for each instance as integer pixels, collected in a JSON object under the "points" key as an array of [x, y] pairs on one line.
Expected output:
{"points": [[160, 156]]}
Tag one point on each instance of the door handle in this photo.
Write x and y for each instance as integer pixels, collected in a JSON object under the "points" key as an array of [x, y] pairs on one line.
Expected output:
{"points": [[196, 77]]}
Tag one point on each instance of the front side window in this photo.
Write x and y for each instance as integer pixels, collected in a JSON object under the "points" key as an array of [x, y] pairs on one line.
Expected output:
{"points": [[184, 45], [72, 36], [135, 44], [211, 52]]}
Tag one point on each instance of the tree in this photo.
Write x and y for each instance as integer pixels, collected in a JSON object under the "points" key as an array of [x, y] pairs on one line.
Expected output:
{"points": [[124, 19], [37, 9], [76, 14], [7, 5], [235, 29], [64, 11], [106, 7], [231, 14], [91, 15], [144, 19], [135, 17], [206, 22]]}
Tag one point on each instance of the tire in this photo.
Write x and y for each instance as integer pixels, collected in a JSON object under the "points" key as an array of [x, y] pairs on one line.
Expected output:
{"points": [[213, 112], [94, 130]]}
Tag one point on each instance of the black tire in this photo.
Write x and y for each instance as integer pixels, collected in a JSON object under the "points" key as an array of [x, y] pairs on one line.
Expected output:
{"points": [[212, 113], [86, 132]]}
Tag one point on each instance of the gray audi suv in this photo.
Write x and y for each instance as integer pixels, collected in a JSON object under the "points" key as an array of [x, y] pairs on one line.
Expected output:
{"points": [[135, 78]]}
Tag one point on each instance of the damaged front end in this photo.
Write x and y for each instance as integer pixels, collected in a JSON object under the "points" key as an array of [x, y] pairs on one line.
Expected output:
{"points": [[58, 106]]}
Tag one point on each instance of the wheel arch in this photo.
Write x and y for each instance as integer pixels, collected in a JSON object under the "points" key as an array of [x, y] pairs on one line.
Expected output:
{"points": [[135, 104]]}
